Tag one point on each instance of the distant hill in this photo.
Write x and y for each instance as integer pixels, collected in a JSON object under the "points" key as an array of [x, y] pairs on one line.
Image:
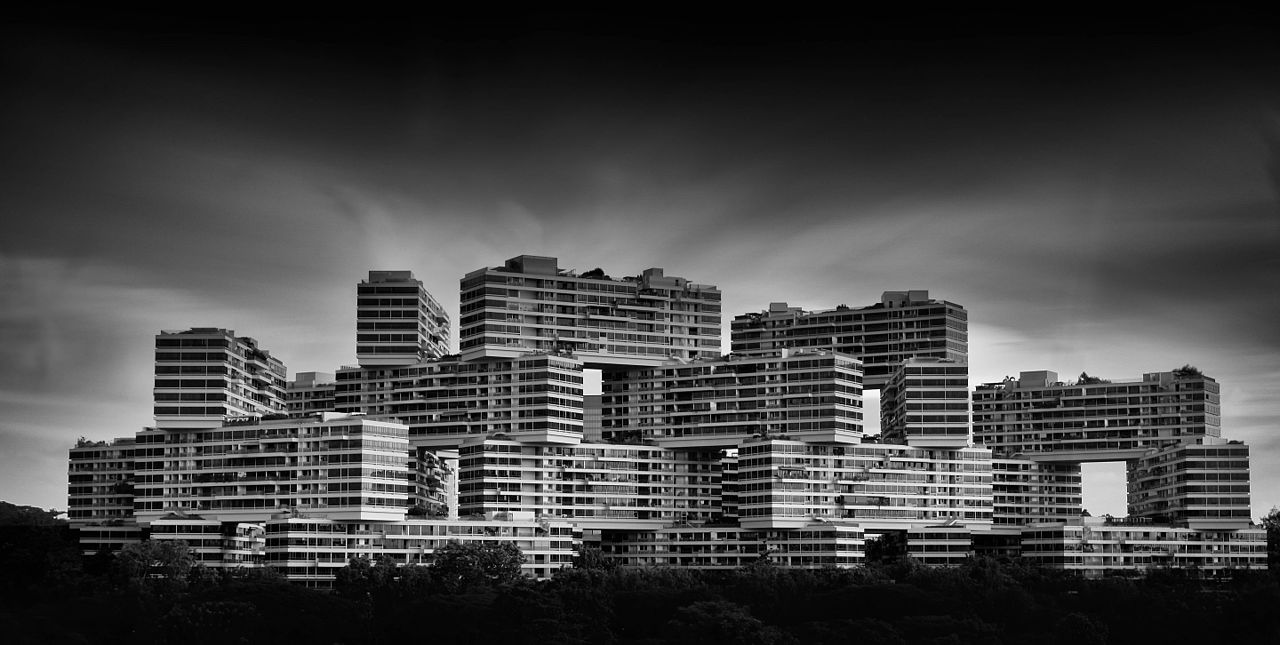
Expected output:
{"points": [[14, 515]]}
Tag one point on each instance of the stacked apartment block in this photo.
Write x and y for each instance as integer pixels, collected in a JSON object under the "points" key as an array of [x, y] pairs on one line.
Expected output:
{"points": [[685, 458]]}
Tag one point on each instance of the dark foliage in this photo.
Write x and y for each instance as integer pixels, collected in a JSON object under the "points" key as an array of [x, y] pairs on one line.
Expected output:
{"points": [[1272, 524], [15, 515], [1187, 371], [52, 595]]}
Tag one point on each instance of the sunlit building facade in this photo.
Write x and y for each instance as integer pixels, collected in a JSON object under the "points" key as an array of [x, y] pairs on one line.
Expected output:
{"points": [[397, 321], [1024, 491], [530, 304], [596, 486], [719, 402], [534, 397], [903, 325], [814, 545], [1200, 485], [205, 376], [346, 467], [925, 403], [786, 484], [1037, 415], [686, 458], [1097, 546]]}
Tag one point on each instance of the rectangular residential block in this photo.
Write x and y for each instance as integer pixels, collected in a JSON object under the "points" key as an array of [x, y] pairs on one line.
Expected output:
{"points": [[531, 305], [1045, 419], [806, 395], [205, 376], [904, 324], [397, 321]]}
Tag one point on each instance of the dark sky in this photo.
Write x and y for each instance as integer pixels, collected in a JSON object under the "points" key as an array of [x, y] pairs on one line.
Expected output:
{"points": [[1100, 196]]}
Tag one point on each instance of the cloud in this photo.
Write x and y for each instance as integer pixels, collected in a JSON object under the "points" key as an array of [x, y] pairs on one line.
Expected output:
{"points": [[1111, 211]]}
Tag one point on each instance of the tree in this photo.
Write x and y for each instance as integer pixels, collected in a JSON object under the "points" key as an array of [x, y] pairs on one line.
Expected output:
{"points": [[1271, 522], [362, 577], [167, 560], [14, 515], [888, 548], [354, 579], [1187, 371], [1080, 629], [212, 621], [720, 621], [459, 566], [593, 558]]}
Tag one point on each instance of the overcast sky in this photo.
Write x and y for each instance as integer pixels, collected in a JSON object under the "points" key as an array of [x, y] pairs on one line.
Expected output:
{"points": [[1098, 198]]}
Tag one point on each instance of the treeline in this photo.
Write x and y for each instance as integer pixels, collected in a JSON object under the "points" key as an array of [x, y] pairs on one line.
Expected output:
{"points": [[985, 601], [17, 515], [154, 594]]}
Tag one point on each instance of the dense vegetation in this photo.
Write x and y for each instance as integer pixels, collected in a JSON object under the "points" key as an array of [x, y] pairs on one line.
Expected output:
{"points": [[52, 595], [154, 593], [15, 515]]}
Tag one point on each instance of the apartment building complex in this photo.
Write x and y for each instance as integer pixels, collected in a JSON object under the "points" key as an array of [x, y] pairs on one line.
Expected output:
{"points": [[1097, 546], [1094, 420], [310, 550], [1025, 491], [1201, 485], [786, 484], [310, 393], [433, 483], [213, 544], [926, 403], [596, 486], [718, 402], [100, 481], [686, 458], [816, 545], [903, 325], [1166, 428], [397, 321], [206, 375], [350, 467], [536, 397], [530, 304]]}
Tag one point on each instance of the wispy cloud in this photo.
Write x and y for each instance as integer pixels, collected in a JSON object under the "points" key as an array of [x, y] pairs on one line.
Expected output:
{"points": [[1113, 212]]}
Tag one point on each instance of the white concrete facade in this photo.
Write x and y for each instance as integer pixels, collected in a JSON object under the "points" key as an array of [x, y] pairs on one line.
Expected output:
{"points": [[904, 324], [1026, 491], [596, 486], [531, 305], [1043, 418], [1201, 484], [205, 376], [812, 546], [310, 393], [786, 484], [344, 467], [397, 321], [718, 402], [925, 404], [534, 397], [1096, 547]]}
